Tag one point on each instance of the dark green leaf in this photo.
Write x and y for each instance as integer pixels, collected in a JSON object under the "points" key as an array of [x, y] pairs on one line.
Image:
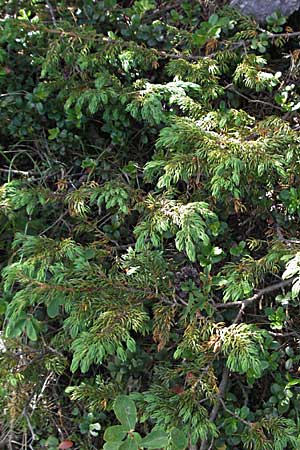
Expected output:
{"points": [[155, 439], [179, 439], [125, 411], [129, 444], [115, 433]]}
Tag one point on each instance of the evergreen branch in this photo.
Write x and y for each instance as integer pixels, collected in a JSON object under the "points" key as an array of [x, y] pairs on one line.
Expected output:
{"points": [[106, 40], [124, 298], [71, 289]]}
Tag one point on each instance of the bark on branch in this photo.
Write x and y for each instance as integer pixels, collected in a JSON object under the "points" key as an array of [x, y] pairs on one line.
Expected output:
{"points": [[226, 373], [260, 293]]}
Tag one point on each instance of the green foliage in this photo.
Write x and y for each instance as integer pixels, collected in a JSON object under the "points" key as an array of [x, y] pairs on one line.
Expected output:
{"points": [[149, 217], [123, 436], [167, 217]]}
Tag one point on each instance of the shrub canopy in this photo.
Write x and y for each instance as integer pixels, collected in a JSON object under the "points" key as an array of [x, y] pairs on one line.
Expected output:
{"points": [[150, 212]]}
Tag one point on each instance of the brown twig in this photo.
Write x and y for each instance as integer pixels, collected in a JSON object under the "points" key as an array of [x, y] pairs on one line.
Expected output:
{"points": [[275, 35], [245, 422], [260, 293], [222, 386], [250, 100], [215, 410]]}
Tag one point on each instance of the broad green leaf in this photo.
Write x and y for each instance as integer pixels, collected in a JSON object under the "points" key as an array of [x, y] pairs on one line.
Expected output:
{"points": [[53, 133], [137, 437], [155, 439], [53, 307], [115, 433], [125, 411], [213, 20], [112, 445], [179, 439], [129, 444], [52, 441], [15, 329], [293, 382], [31, 331]]}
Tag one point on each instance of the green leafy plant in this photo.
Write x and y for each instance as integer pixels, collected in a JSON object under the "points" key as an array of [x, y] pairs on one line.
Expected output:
{"points": [[124, 436], [149, 217], [275, 22]]}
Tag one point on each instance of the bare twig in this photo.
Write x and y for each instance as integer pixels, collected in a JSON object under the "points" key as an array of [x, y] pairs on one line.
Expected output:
{"points": [[245, 422], [33, 436], [276, 35], [289, 333], [50, 7], [250, 100], [240, 313], [288, 242], [260, 293], [18, 172], [215, 410], [63, 214], [8, 94]]}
